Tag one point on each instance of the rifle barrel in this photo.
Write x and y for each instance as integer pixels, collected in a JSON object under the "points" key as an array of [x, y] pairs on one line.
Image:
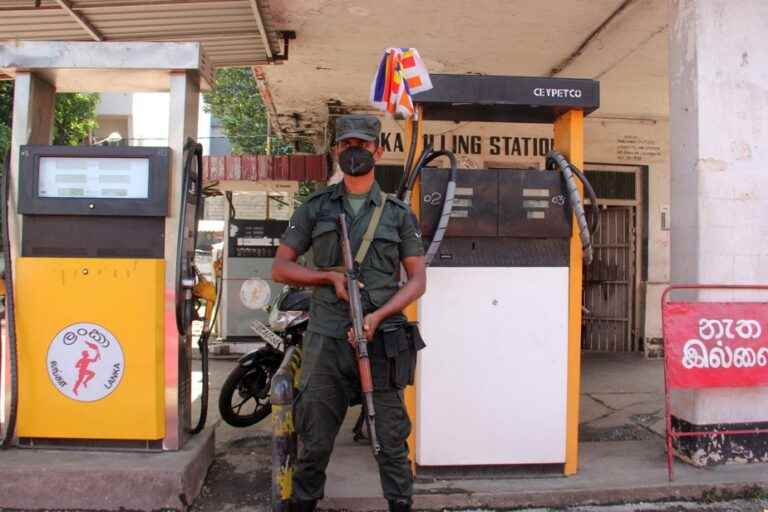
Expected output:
{"points": [[360, 343]]}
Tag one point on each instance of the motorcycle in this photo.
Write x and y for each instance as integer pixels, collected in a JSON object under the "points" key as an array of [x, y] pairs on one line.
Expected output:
{"points": [[250, 380]]}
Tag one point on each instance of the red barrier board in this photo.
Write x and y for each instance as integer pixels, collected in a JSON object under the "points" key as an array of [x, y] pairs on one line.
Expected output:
{"points": [[716, 344]]}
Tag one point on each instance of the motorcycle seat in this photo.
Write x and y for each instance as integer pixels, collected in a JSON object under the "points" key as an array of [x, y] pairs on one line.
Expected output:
{"points": [[295, 300]]}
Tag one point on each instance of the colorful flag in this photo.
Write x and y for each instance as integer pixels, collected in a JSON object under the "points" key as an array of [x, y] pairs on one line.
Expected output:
{"points": [[401, 73]]}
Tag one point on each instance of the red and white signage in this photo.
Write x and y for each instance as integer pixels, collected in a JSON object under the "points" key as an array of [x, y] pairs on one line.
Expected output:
{"points": [[85, 362], [716, 344]]}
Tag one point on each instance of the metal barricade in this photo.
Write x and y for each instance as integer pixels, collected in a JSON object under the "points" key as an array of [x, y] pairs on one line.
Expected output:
{"points": [[712, 345], [285, 380]]}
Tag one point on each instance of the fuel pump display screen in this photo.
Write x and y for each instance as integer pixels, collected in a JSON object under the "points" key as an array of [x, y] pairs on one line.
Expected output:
{"points": [[97, 178]]}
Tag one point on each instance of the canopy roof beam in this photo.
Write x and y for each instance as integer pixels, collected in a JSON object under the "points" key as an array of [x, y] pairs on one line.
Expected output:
{"points": [[260, 23], [81, 20]]}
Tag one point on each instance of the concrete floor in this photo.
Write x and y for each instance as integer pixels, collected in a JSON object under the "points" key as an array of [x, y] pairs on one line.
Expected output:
{"points": [[622, 460]]}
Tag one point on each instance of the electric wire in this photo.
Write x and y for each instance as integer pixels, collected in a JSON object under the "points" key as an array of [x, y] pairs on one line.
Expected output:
{"points": [[10, 314]]}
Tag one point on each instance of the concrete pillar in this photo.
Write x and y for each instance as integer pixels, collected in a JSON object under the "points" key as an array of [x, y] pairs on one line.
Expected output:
{"points": [[34, 102], [183, 102], [718, 68]]}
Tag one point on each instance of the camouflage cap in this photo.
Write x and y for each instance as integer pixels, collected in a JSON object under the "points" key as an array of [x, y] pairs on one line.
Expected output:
{"points": [[366, 127]]}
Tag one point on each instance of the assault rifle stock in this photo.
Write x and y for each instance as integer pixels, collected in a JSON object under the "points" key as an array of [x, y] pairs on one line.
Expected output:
{"points": [[359, 341]]}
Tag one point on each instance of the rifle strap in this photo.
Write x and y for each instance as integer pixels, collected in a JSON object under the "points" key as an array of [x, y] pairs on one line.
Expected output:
{"points": [[362, 251]]}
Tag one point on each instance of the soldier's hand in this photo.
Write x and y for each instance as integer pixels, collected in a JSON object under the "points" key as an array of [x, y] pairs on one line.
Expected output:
{"points": [[370, 324], [339, 281]]}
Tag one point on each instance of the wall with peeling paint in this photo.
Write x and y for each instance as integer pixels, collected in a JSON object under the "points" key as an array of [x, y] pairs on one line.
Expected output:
{"points": [[719, 124]]}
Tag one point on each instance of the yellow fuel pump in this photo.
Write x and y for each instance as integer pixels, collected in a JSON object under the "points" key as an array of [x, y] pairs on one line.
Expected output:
{"points": [[100, 256], [90, 293]]}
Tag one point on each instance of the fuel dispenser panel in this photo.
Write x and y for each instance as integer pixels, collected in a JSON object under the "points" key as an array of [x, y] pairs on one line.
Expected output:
{"points": [[90, 294], [248, 285], [475, 207], [93, 201], [247, 237], [501, 218], [533, 204]]}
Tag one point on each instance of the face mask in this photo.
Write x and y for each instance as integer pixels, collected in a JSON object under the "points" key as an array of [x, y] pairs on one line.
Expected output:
{"points": [[356, 161]]}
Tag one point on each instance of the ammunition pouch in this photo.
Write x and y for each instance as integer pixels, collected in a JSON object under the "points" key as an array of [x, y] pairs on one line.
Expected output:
{"points": [[397, 349]]}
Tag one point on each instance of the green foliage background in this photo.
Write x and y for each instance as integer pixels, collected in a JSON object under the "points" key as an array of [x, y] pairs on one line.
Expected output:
{"points": [[236, 102], [75, 117], [6, 111]]}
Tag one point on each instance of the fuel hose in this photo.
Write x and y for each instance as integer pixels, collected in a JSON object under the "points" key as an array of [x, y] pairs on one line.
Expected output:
{"points": [[586, 230], [408, 164], [404, 192], [202, 345], [10, 313], [194, 156], [185, 274]]}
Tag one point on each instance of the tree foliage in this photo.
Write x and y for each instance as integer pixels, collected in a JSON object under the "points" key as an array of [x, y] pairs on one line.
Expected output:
{"points": [[236, 102], [74, 119], [6, 112]]}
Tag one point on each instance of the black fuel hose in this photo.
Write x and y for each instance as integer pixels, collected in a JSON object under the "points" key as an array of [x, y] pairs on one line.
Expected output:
{"points": [[408, 164], [427, 156], [184, 300], [568, 170], [202, 345], [10, 312], [594, 223], [194, 155]]}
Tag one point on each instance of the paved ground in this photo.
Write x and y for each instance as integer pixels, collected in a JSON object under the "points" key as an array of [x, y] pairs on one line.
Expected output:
{"points": [[616, 420], [728, 506], [239, 479]]}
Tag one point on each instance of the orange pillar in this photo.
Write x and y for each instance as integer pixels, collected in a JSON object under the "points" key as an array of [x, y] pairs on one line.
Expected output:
{"points": [[569, 140], [412, 311]]}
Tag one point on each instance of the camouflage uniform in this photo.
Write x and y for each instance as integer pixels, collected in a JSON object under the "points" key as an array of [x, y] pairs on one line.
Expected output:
{"points": [[329, 381]]}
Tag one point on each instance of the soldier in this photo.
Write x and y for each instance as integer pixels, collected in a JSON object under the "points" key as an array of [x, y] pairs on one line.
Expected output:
{"points": [[383, 234]]}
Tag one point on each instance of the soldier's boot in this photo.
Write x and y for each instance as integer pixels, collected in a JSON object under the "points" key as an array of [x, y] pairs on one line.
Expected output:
{"points": [[399, 505], [303, 505]]}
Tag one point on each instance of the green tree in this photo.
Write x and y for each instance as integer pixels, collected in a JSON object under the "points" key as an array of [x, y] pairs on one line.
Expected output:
{"points": [[6, 111], [236, 102], [74, 120]]}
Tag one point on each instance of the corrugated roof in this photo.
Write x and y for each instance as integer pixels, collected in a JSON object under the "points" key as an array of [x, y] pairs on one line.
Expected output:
{"points": [[233, 32]]}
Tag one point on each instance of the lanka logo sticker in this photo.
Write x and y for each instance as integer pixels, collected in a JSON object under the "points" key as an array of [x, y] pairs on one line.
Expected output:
{"points": [[85, 362]]}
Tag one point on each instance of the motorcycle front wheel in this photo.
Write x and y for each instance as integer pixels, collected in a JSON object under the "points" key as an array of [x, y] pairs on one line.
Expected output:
{"points": [[244, 398]]}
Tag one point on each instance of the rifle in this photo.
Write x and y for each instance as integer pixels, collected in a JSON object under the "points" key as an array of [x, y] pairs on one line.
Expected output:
{"points": [[359, 343]]}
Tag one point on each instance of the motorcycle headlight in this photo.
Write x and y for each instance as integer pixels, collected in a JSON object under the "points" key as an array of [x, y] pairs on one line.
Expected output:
{"points": [[282, 319], [274, 312]]}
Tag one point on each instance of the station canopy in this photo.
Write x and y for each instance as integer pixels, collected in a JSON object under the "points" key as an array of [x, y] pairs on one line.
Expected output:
{"points": [[233, 33]]}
